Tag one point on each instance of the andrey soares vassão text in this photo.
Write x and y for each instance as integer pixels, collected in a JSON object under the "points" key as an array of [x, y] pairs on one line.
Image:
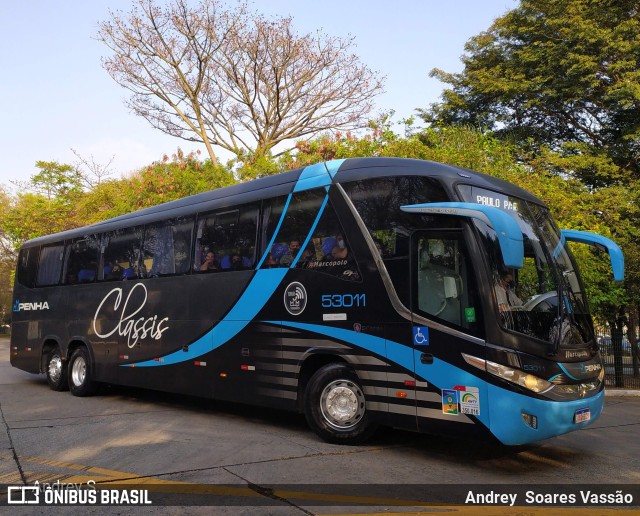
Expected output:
{"points": [[583, 497]]}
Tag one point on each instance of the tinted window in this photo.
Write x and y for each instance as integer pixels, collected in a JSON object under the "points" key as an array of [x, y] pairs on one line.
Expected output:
{"points": [[167, 247], [50, 265], [82, 260], [226, 239], [27, 266], [121, 255], [302, 212], [328, 251], [378, 202]]}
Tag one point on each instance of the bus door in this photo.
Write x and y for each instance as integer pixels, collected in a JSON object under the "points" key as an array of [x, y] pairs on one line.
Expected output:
{"points": [[445, 308]]}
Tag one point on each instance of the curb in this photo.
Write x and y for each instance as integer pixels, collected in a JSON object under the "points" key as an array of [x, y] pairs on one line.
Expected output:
{"points": [[621, 392]]}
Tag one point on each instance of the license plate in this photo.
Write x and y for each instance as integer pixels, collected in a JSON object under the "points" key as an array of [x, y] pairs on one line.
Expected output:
{"points": [[582, 415]]}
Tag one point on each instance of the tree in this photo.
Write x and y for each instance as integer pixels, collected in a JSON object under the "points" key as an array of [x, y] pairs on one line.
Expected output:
{"points": [[233, 79], [560, 74], [167, 180], [54, 180]]}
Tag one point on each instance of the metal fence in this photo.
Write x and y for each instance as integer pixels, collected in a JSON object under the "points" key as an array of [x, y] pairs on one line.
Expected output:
{"points": [[621, 364]]}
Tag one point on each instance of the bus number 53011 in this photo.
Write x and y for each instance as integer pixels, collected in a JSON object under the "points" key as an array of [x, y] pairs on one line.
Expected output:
{"points": [[344, 300]]}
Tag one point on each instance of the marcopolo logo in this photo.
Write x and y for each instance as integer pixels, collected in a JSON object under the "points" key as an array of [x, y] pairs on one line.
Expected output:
{"points": [[25, 307], [295, 298]]}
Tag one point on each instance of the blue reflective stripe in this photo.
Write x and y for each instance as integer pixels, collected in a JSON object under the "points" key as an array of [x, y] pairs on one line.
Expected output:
{"points": [[313, 176], [253, 299], [584, 237], [333, 166], [310, 234], [318, 175], [275, 233], [506, 228]]}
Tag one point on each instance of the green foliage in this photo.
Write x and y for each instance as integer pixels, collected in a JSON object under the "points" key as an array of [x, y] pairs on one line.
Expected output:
{"points": [[565, 75], [164, 181], [55, 180], [179, 177], [46, 205], [252, 165], [35, 215]]}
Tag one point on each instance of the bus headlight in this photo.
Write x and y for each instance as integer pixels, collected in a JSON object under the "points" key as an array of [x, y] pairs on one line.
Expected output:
{"points": [[515, 376]]}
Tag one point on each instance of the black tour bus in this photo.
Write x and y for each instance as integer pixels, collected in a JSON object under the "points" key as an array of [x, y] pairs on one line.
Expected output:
{"points": [[361, 292]]}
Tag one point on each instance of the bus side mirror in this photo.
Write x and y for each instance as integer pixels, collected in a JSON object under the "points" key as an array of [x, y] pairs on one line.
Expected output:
{"points": [[602, 243], [507, 229]]}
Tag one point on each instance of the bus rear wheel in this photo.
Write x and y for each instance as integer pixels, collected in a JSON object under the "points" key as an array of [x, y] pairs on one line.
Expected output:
{"points": [[335, 406], [80, 373], [56, 371]]}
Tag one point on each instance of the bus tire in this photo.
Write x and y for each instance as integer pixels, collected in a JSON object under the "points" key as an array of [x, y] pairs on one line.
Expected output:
{"points": [[80, 373], [56, 371], [335, 406]]}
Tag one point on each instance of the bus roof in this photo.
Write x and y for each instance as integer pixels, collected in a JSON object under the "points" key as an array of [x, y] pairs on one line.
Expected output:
{"points": [[351, 169]]}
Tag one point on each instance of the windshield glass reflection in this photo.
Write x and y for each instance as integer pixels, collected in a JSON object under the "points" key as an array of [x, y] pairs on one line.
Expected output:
{"points": [[545, 298]]}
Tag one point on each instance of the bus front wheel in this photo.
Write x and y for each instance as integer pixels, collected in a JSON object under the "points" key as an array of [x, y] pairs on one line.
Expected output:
{"points": [[80, 373], [56, 371], [335, 406]]}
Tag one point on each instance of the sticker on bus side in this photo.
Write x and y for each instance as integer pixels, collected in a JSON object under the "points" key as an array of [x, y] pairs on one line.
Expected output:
{"points": [[450, 402], [421, 335], [295, 298], [469, 400]]}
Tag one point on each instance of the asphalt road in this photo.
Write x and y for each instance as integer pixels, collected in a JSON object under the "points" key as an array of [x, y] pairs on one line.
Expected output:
{"points": [[242, 459]]}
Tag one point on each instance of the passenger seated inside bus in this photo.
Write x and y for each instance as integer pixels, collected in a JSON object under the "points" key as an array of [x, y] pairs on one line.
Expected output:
{"points": [[112, 271], [287, 259], [209, 264], [308, 255], [505, 293], [236, 263], [278, 250]]}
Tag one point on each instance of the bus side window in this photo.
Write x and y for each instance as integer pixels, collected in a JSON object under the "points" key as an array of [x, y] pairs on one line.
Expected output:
{"points": [[121, 254], [50, 265], [301, 214], [167, 247], [82, 260], [329, 251], [231, 235], [445, 286], [28, 266]]}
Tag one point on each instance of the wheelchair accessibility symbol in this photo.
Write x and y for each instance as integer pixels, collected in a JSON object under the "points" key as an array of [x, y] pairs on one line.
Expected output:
{"points": [[421, 335]]}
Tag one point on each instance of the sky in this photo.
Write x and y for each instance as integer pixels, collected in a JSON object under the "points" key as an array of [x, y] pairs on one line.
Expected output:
{"points": [[57, 97]]}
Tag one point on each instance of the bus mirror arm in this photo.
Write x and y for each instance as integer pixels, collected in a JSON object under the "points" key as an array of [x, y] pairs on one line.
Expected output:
{"points": [[505, 226], [615, 253]]}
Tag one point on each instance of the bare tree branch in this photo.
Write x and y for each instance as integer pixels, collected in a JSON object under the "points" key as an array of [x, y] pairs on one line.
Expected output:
{"points": [[233, 79]]}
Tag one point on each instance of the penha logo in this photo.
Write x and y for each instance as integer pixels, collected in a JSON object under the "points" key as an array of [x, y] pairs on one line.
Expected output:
{"points": [[295, 298], [26, 307]]}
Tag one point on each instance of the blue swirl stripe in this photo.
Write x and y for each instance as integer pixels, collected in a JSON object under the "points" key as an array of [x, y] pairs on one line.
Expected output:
{"points": [[318, 175], [258, 292]]}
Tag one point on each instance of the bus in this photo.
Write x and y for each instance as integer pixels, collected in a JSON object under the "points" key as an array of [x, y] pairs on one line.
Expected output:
{"points": [[360, 292]]}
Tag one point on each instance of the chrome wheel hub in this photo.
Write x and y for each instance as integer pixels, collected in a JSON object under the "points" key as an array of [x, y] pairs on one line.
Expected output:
{"points": [[55, 368], [78, 371], [342, 404]]}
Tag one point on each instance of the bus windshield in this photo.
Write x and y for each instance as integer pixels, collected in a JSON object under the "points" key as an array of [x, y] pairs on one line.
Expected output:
{"points": [[545, 299]]}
